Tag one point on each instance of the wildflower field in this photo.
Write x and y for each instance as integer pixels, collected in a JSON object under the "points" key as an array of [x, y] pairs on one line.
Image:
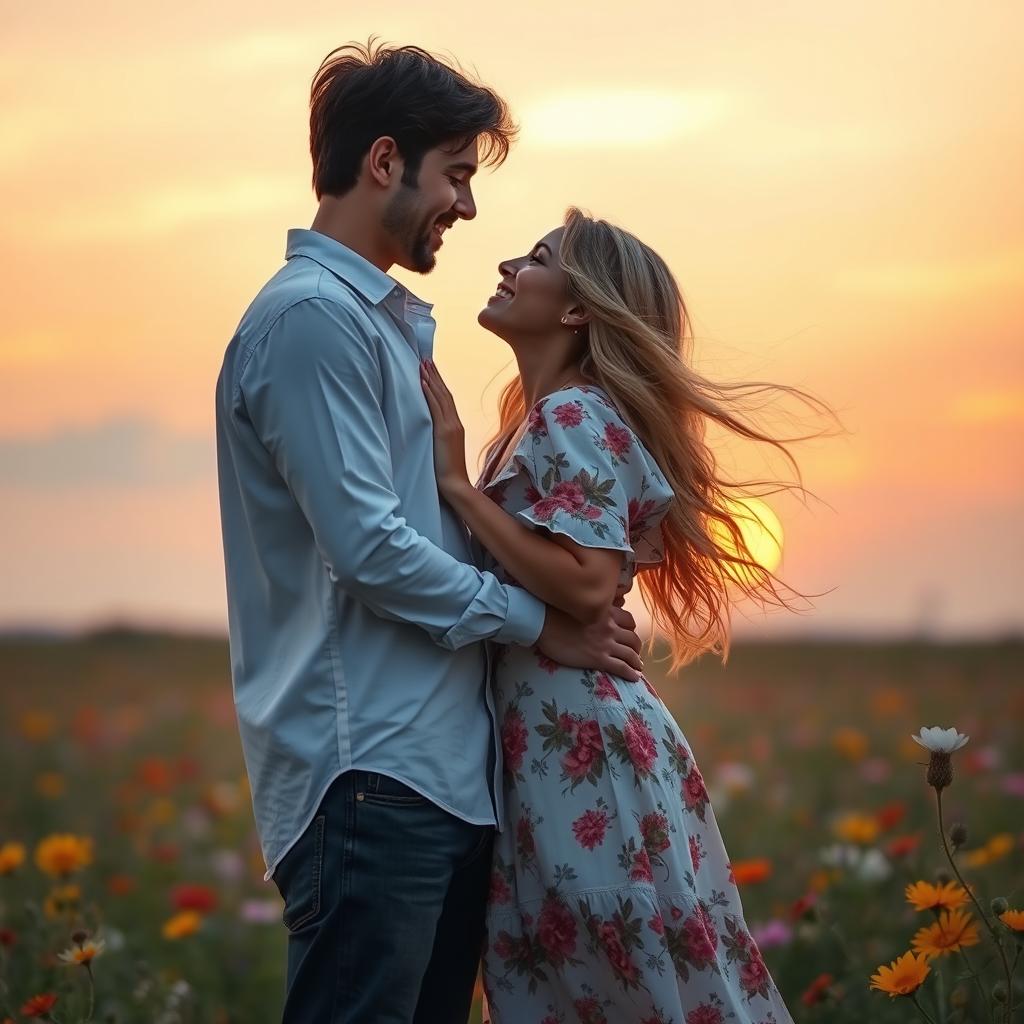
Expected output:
{"points": [[131, 881]]}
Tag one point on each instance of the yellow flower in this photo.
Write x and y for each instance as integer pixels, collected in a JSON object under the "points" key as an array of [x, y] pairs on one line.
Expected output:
{"points": [[12, 856], [63, 854], [1000, 845], [50, 784], [851, 743], [83, 953], [953, 930], [925, 896], [977, 858], [37, 725], [902, 977], [857, 828], [1013, 919], [62, 900], [188, 922]]}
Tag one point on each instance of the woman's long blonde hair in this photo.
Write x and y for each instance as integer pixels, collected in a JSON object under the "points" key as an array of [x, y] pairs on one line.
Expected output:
{"points": [[638, 349]]}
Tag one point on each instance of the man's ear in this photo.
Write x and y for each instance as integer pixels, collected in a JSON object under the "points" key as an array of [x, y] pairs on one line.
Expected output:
{"points": [[383, 161]]}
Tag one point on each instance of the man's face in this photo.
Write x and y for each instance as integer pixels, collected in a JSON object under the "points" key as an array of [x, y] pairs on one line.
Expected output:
{"points": [[417, 215]]}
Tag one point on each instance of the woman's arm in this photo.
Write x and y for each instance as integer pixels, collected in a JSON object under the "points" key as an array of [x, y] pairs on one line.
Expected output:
{"points": [[579, 580]]}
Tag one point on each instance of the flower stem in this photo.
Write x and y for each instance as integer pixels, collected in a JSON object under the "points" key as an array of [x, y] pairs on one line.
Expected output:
{"points": [[977, 981], [920, 1008], [92, 994], [981, 913]]}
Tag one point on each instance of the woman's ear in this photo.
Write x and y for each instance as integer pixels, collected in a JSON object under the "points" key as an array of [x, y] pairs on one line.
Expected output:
{"points": [[576, 317]]}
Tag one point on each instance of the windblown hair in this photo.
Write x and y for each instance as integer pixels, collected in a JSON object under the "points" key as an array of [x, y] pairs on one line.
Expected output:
{"points": [[638, 349], [362, 93]]}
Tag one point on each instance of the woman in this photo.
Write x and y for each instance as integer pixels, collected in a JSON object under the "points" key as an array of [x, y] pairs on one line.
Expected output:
{"points": [[612, 899]]}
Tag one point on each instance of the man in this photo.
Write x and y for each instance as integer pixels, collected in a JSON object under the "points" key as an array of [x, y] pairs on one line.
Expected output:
{"points": [[358, 623]]}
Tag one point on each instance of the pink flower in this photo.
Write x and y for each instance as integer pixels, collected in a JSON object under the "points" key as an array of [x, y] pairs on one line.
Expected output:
{"points": [[705, 1014], [548, 664], [524, 837], [589, 828], [500, 892], [589, 1011], [616, 952], [638, 514], [617, 439], [641, 869], [556, 931], [654, 829], [514, 739], [694, 790], [643, 751], [754, 974], [605, 688], [579, 762], [657, 924], [532, 495], [701, 938], [535, 423], [695, 853], [570, 414], [566, 495]]}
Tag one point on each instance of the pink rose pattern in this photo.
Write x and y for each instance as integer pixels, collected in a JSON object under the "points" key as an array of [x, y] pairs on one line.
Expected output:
{"points": [[610, 897]]}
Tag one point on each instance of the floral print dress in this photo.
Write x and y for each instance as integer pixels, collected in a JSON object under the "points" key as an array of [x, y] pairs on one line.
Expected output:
{"points": [[612, 899]]}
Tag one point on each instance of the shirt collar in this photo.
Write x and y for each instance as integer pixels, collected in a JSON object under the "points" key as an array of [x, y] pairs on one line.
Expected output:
{"points": [[371, 282]]}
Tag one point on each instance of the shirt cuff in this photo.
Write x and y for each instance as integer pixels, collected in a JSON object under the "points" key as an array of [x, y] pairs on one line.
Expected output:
{"points": [[525, 618]]}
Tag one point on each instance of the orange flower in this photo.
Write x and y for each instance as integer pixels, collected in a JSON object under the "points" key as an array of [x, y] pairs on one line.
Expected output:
{"points": [[38, 1006], [121, 885], [12, 856], [747, 872], [851, 743], [63, 900], [37, 725], [82, 953], [188, 922], [953, 931], [925, 896], [1013, 919], [902, 977], [63, 854], [857, 828], [155, 773]]}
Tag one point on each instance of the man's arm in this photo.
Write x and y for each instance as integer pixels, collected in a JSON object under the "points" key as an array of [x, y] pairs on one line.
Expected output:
{"points": [[312, 391]]}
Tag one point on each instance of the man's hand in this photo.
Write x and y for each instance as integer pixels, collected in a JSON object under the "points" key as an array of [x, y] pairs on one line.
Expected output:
{"points": [[611, 645]]}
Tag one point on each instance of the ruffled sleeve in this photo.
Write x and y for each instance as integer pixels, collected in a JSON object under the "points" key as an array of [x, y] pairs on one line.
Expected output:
{"points": [[589, 477]]}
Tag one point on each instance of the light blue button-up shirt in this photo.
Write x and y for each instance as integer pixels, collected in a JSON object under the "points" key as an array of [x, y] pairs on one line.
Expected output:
{"points": [[355, 612]]}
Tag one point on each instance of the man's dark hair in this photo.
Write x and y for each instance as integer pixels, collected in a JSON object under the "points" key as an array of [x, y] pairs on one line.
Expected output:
{"points": [[361, 93]]}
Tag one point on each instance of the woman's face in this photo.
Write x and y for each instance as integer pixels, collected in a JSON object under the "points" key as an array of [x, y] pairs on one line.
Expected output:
{"points": [[532, 296]]}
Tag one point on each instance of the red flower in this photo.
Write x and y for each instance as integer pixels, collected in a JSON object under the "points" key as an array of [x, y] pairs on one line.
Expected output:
{"points": [[524, 837], [499, 892], [38, 1006], [643, 750], [579, 762], [902, 846], [569, 414], [514, 739], [654, 829], [7, 938], [657, 924], [638, 514], [616, 952], [556, 931], [533, 495], [200, 898], [617, 439], [566, 495], [705, 1014], [695, 853], [589, 828], [802, 905], [701, 938], [535, 423], [817, 991], [754, 974], [641, 869], [694, 791], [548, 664], [891, 815], [605, 688], [589, 1011], [121, 885]]}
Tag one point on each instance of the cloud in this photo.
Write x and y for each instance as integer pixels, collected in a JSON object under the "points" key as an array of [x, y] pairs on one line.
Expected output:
{"points": [[129, 451], [608, 119]]}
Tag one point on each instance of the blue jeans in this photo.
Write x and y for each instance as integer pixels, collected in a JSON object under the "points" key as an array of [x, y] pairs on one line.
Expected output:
{"points": [[384, 904]]}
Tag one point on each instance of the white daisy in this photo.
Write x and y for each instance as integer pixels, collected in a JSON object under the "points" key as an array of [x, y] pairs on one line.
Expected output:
{"points": [[940, 741]]}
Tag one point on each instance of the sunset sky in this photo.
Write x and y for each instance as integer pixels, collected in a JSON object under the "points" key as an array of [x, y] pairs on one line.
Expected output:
{"points": [[837, 188]]}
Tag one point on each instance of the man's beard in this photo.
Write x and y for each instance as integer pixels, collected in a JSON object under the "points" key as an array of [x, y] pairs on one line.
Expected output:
{"points": [[401, 220]]}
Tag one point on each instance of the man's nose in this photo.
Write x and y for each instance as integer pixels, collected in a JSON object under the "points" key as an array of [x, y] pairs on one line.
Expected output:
{"points": [[508, 268], [465, 206]]}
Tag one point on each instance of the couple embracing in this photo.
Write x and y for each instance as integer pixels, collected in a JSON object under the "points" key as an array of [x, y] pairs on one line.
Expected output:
{"points": [[452, 748]]}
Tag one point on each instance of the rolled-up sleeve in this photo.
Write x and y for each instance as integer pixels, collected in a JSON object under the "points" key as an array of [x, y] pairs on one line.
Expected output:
{"points": [[312, 390]]}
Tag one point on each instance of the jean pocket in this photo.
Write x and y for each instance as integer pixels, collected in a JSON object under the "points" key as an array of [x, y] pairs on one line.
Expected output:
{"points": [[389, 792], [301, 872]]}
